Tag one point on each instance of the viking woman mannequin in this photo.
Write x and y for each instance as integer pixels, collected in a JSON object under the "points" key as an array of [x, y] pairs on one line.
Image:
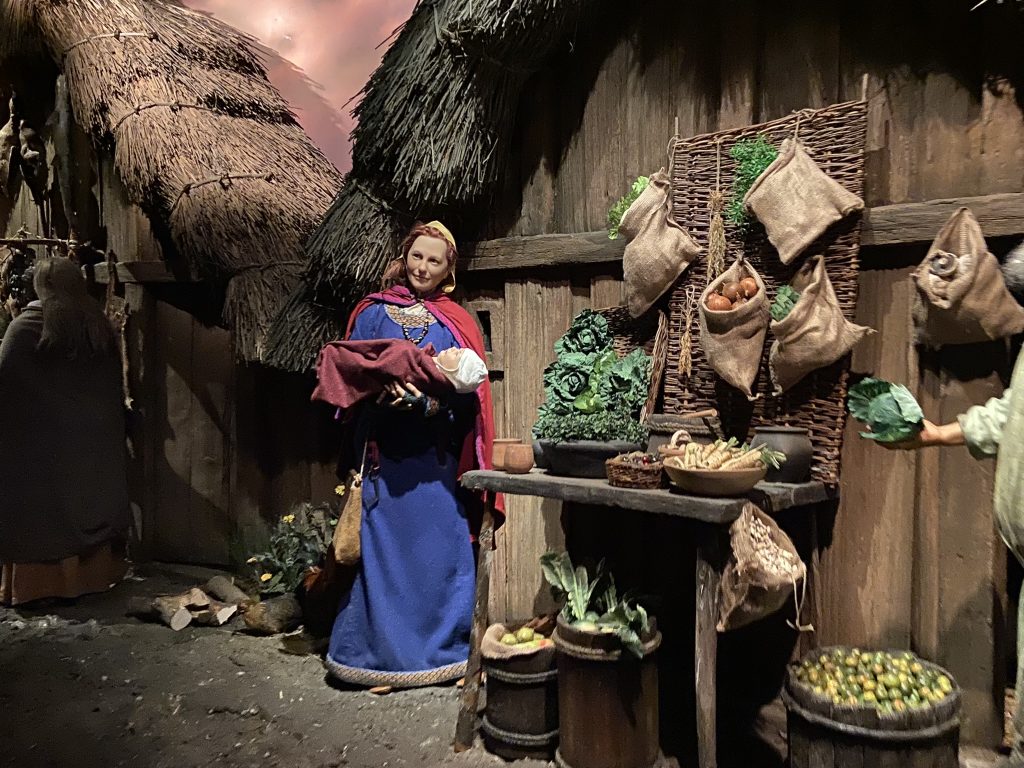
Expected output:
{"points": [[407, 618], [63, 460]]}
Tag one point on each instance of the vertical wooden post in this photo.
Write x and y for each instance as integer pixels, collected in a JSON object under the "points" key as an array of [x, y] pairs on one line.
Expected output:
{"points": [[465, 729], [705, 657]]}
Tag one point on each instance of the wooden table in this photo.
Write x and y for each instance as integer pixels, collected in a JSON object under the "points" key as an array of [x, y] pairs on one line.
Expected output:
{"points": [[712, 518]]}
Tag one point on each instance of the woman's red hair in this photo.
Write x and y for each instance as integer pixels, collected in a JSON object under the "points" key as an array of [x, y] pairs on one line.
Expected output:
{"points": [[395, 273]]}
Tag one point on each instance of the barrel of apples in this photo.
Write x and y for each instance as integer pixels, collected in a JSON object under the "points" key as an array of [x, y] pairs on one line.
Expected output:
{"points": [[849, 706], [521, 717]]}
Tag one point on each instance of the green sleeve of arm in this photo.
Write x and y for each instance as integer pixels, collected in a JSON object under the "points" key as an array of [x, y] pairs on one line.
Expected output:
{"points": [[983, 425]]}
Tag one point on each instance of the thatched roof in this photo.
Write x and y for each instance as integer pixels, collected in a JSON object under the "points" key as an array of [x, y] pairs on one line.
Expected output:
{"points": [[201, 139], [435, 123]]}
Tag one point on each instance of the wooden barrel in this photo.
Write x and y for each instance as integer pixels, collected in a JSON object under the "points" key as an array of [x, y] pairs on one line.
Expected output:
{"points": [[607, 701], [521, 715], [825, 735]]}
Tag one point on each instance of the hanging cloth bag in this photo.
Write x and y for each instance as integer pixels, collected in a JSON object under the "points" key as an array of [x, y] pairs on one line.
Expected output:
{"points": [[347, 532], [796, 201], [733, 339], [761, 574], [961, 293], [659, 249], [815, 333]]}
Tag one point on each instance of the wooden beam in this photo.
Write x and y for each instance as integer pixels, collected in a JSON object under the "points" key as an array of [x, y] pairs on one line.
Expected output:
{"points": [[543, 251], [901, 224], [135, 272], [999, 215]]}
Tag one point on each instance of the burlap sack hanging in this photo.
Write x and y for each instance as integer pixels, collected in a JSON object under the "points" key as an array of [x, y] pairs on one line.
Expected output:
{"points": [[961, 293], [347, 550], [814, 333], [733, 340], [762, 572], [796, 201], [658, 251]]}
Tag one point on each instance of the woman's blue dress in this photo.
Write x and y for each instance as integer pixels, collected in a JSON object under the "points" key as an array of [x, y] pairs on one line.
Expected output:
{"points": [[407, 619]]}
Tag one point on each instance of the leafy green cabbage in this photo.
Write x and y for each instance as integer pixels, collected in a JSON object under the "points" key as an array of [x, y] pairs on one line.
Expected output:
{"points": [[890, 411], [591, 393]]}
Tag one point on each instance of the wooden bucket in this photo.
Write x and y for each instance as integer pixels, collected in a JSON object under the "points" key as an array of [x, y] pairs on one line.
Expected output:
{"points": [[824, 735], [521, 717], [607, 701]]}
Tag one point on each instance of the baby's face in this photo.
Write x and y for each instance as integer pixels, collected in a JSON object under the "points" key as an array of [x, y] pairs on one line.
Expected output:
{"points": [[450, 358]]}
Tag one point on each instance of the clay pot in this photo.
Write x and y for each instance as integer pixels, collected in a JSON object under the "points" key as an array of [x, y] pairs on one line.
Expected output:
{"points": [[498, 454], [518, 459], [795, 442]]}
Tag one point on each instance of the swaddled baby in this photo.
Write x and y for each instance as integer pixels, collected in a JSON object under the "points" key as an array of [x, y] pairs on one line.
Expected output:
{"points": [[351, 371], [463, 368]]}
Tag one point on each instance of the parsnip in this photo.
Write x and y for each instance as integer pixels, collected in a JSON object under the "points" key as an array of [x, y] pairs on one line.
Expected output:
{"points": [[717, 456], [691, 455], [748, 460]]}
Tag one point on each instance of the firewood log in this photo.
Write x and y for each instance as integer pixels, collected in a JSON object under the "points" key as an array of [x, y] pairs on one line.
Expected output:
{"points": [[217, 614], [171, 610], [273, 616], [196, 598], [224, 589]]}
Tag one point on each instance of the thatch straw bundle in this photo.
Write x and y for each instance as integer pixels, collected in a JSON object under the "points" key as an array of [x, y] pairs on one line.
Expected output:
{"points": [[201, 139], [435, 123]]}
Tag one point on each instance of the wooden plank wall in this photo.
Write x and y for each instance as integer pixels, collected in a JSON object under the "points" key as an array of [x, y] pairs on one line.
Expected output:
{"points": [[910, 558]]}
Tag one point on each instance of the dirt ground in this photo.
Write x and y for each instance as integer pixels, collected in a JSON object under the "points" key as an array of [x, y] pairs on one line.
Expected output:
{"points": [[82, 685]]}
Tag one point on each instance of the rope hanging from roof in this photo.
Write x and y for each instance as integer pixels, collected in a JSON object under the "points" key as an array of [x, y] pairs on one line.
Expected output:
{"points": [[224, 180], [119, 36], [174, 106]]}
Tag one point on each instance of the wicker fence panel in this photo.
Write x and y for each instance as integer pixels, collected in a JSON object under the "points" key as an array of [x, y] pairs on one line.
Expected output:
{"points": [[834, 137]]}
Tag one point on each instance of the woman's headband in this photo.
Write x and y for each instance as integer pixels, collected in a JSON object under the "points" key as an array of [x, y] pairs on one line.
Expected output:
{"points": [[445, 233]]}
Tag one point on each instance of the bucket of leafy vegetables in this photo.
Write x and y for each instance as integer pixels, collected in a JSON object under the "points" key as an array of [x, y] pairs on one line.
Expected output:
{"points": [[606, 646], [889, 410]]}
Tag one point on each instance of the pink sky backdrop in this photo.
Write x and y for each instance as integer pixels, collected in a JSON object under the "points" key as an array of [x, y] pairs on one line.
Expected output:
{"points": [[332, 41]]}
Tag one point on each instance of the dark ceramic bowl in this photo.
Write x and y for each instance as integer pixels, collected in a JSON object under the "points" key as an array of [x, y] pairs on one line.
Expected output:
{"points": [[583, 458]]}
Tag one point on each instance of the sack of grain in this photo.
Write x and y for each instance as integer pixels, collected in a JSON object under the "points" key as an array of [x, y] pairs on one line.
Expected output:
{"points": [[761, 574]]}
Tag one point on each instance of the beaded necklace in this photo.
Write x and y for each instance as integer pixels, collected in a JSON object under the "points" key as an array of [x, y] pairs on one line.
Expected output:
{"points": [[417, 317]]}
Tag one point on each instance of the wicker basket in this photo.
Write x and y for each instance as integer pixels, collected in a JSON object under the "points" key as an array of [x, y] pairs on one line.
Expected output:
{"points": [[835, 136], [624, 474]]}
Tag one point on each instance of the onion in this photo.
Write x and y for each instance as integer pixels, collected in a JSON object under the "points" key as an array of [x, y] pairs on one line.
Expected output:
{"points": [[749, 286], [732, 291], [718, 303]]}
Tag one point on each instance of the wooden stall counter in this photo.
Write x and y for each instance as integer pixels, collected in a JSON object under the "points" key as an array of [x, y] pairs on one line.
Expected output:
{"points": [[711, 518]]}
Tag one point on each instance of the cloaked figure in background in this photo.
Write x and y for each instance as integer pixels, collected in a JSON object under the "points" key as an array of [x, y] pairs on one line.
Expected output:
{"points": [[63, 457]]}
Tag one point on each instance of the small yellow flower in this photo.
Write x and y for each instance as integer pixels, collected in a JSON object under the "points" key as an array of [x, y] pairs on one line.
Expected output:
{"points": [[340, 490], [252, 560], [288, 519], [266, 577]]}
